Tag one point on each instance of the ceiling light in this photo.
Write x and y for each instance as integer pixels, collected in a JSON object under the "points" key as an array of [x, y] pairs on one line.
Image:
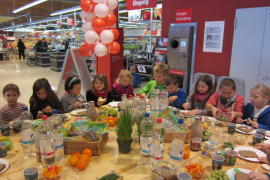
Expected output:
{"points": [[76, 8], [28, 5]]}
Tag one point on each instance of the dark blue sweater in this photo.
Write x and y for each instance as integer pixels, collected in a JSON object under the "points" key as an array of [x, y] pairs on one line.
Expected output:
{"points": [[182, 97], [264, 118]]}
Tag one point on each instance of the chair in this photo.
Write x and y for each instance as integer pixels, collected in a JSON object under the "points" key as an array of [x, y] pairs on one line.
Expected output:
{"points": [[197, 76], [240, 86]]}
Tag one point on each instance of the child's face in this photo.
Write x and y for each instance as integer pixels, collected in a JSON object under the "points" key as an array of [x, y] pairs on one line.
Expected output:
{"points": [[76, 90], [11, 97], [257, 99], [172, 88], [202, 87], [125, 81], [160, 78], [42, 94], [99, 85], [227, 92]]}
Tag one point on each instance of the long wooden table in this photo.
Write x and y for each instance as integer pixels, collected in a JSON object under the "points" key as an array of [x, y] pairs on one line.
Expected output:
{"points": [[126, 165]]}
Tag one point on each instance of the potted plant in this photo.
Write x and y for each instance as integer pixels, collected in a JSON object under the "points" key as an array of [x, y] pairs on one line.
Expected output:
{"points": [[124, 131]]}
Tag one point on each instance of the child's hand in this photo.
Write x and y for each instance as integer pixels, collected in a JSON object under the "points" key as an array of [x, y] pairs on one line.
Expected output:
{"points": [[254, 123], [172, 98], [257, 176], [233, 114], [239, 120], [48, 109], [39, 115], [143, 94], [214, 111], [76, 104], [186, 105], [264, 146], [99, 103], [192, 113], [263, 159]]}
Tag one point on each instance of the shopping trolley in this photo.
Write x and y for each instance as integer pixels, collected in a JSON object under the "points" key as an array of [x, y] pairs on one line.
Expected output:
{"points": [[31, 57]]}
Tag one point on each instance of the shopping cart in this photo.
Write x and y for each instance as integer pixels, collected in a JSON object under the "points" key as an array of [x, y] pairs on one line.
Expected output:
{"points": [[31, 57]]}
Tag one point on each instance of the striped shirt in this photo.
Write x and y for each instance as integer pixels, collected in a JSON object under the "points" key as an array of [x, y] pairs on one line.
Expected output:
{"points": [[10, 114]]}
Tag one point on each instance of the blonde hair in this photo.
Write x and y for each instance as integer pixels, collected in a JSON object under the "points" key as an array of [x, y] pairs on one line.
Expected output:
{"points": [[102, 78], [124, 73], [161, 68], [263, 91]]}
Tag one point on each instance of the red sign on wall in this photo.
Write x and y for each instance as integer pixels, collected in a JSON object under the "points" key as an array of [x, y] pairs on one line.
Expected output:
{"points": [[183, 15], [140, 4], [182, 73]]}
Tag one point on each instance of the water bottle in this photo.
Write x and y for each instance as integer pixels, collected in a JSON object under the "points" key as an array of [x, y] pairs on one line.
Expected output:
{"points": [[146, 139], [177, 145], [157, 145], [37, 144], [137, 100], [124, 102], [130, 102], [163, 99], [142, 102], [57, 135], [155, 101], [47, 151], [27, 133]]}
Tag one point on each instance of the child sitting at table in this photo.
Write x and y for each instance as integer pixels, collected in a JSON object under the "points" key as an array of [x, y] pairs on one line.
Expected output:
{"points": [[72, 97], [160, 74], [258, 110], [226, 100], [177, 96], [13, 109], [99, 91], [122, 85], [199, 97], [44, 99]]}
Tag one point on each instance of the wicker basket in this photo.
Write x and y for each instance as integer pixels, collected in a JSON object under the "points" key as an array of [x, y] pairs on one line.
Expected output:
{"points": [[169, 136], [96, 147]]}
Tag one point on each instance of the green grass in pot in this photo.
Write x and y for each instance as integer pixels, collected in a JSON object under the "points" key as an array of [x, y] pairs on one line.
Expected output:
{"points": [[124, 127], [138, 119]]}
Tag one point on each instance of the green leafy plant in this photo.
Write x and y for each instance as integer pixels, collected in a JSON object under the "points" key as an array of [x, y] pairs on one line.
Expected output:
{"points": [[138, 119], [124, 126]]}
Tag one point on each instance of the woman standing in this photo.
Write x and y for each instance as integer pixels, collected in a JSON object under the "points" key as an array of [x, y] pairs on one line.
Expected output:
{"points": [[21, 48]]}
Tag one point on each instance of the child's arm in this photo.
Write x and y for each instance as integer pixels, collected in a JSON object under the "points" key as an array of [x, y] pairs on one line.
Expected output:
{"points": [[146, 89], [109, 98], [180, 99], [115, 96], [238, 110], [212, 104], [67, 108]]}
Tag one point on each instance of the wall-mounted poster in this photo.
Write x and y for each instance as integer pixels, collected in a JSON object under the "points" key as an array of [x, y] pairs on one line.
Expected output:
{"points": [[134, 15]]}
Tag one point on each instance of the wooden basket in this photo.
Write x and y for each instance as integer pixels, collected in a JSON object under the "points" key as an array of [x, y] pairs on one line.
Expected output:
{"points": [[169, 136], [96, 147]]}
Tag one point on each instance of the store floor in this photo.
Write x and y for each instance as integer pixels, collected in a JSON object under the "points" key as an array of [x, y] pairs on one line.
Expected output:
{"points": [[17, 72]]}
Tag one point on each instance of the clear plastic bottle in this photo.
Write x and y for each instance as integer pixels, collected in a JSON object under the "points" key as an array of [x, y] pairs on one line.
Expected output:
{"points": [[143, 102], [137, 100], [157, 145], [92, 112], [47, 150], [155, 101], [130, 102], [124, 102], [57, 135], [146, 139], [177, 145], [27, 133], [163, 99], [37, 144]]}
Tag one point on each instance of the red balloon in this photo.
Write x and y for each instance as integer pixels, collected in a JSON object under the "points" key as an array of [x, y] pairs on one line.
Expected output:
{"points": [[98, 24], [110, 19], [88, 5], [86, 50], [115, 32], [113, 47]]}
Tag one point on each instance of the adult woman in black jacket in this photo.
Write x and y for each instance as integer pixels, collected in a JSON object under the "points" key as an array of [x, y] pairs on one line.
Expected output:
{"points": [[21, 48]]}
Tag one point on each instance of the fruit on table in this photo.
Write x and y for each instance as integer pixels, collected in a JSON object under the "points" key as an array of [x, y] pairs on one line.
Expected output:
{"points": [[4, 138], [85, 157], [52, 172], [186, 154], [73, 160], [111, 122], [195, 170], [81, 164], [9, 145], [80, 160], [217, 174], [186, 147], [77, 154], [88, 152]]}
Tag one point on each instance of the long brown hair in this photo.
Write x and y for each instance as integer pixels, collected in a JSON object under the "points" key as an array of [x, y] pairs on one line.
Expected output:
{"points": [[102, 78], [208, 81], [38, 85]]}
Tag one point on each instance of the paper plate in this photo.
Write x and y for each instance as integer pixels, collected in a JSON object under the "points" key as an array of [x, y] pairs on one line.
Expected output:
{"points": [[3, 161], [257, 151], [230, 171], [185, 111], [114, 104], [252, 132], [76, 111], [212, 119]]}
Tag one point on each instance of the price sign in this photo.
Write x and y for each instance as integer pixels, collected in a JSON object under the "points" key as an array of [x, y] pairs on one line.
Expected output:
{"points": [[141, 69]]}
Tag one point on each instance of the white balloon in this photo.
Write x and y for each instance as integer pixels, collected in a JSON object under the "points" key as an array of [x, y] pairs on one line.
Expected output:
{"points": [[87, 16], [97, 1], [100, 50], [87, 26], [101, 10], [106, 36], [112, 4], [91, 37]]}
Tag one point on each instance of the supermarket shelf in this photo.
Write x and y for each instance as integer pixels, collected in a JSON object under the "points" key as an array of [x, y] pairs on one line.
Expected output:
{"points": [[142, 35]]}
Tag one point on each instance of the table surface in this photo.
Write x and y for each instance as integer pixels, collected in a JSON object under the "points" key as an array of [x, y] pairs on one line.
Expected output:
{"points": [[126, 165]]}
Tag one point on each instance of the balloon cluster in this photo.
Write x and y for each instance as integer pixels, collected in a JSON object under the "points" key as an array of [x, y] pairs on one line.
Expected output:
{"points": [[99, 27]]}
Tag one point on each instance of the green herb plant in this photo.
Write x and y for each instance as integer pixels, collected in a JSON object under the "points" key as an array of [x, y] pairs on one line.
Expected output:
{"points": [[124, 126], [138, 119]]}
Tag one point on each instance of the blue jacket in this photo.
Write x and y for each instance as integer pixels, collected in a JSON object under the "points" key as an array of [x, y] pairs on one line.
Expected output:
{"points": [[182, 98], [264, 118]]}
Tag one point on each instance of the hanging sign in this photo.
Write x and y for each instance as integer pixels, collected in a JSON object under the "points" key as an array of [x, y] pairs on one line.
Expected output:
{"points": [[141, 69], [140, 4], [183, 15]]}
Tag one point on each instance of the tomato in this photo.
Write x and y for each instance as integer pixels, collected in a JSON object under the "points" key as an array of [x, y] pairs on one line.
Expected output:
{"points": [[88, 152], [77, 154], [73, 160], [85, 157], [186, 154], [81, 164]]}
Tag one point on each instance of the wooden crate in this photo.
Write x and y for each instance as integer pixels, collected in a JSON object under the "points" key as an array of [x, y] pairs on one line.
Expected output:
{"points": [[169, 136], [96, 147]]}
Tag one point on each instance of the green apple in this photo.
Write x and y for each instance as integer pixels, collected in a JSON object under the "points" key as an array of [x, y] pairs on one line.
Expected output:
{"points": [[9, 145]]}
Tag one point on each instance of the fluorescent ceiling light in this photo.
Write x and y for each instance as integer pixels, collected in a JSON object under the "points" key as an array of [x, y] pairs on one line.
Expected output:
{"points": [[76, 8], [28, 5]]}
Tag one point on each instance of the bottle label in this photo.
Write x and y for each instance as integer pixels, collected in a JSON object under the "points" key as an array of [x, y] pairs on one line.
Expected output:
{"points": [[195, 143], [28, 138], [176, 155], [146, 149], [47, 151], [58, 143]]}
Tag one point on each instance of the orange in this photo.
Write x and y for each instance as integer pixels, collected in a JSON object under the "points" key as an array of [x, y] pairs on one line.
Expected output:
{"points": [[186, 154], [81, 164], [85, 157], [77, 154], [110, 118], [88, 152], [186, 147], [73, 160], [111, 122]]}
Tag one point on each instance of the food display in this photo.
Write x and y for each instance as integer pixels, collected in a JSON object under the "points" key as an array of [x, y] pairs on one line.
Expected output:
{"points": [[195, 170], [223, 116], [217, 174], [248, 154]]}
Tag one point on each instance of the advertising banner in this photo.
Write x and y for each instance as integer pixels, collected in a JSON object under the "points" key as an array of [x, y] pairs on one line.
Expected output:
{"points": [[140, 4]]}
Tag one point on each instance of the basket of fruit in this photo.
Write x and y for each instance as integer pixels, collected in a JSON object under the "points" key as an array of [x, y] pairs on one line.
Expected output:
{"points": [[223, 116]]}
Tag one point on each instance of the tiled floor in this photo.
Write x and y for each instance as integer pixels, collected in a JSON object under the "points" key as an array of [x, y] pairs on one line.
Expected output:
{"points": [[17, 72]]}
